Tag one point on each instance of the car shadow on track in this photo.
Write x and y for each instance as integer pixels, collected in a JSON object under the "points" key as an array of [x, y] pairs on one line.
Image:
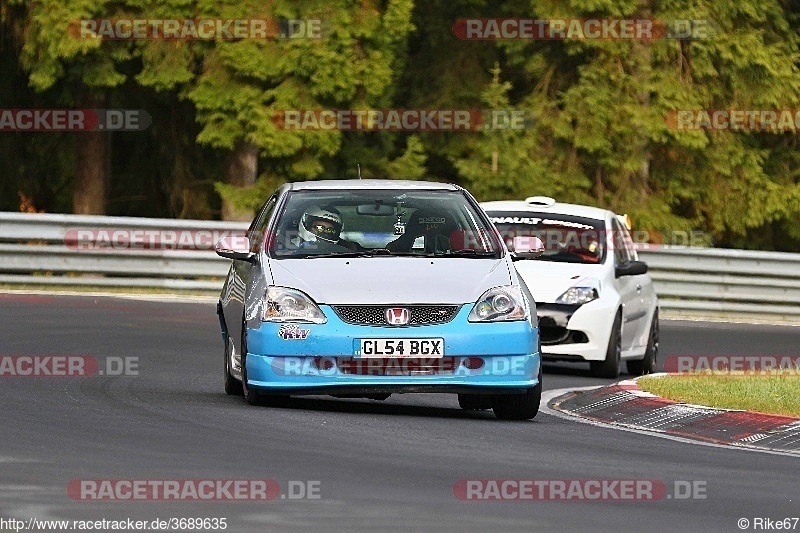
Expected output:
{"points": [[563, 375], [330, 404], [560, 368], [566, 369]]}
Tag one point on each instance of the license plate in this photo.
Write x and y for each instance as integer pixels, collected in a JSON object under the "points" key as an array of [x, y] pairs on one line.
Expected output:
{"points": [[431, 348]]}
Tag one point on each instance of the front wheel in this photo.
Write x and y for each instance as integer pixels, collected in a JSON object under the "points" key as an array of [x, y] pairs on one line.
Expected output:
{"points": [[232, 385], [647, 365], [609, 368], [254, 396], [518, 406]]}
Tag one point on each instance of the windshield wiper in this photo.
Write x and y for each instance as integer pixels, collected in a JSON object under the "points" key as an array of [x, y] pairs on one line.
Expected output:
{"points": [[357, 253], [377, 252], [471, 253], [332, 254], [383, 252]]}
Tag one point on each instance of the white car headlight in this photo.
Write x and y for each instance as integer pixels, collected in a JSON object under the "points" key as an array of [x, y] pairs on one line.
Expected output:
{"points": [[577, 296], [289, 305], [500, 303]]}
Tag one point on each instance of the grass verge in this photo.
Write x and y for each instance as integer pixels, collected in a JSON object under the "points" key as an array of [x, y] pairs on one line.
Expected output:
{"points": [[775, 393]]}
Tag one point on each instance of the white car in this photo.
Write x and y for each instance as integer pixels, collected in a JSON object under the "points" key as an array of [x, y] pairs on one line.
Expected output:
{"points": [[594, 299]]}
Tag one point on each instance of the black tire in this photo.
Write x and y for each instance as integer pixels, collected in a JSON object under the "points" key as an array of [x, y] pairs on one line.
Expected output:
{"points": [[647, 365], [609, 368], [233, 386], [474, 402], [254, 396], [518, 406]]}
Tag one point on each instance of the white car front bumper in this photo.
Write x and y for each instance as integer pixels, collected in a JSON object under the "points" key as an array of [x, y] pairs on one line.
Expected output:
{"points": [[576, 332]]}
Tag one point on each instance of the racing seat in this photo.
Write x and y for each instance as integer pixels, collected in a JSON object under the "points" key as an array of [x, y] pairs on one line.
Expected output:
{"points": [[435, 229]]}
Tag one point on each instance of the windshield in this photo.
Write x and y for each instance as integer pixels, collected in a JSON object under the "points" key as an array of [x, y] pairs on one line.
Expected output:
{"points": [[566, 238], [368, 223]]}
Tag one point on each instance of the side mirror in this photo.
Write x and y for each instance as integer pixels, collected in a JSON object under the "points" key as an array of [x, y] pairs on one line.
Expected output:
{"points": [[525, 247], [235, 247], [630, 268]]}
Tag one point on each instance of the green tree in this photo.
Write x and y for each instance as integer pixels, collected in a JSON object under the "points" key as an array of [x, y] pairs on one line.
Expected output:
{"points": [[239, 88], [599, 106], [488, 163], [83, 71]]}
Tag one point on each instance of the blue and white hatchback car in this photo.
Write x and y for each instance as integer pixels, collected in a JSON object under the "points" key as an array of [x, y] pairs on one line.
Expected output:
{"points": [[366, 288]]}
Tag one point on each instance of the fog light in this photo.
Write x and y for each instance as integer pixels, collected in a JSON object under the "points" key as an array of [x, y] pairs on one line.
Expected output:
{"points": [[472, 363], [322, 363]]}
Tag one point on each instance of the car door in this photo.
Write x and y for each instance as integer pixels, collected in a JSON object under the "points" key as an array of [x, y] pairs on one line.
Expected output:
{"points": [[647, 303], [629, 287], [241, 273]]}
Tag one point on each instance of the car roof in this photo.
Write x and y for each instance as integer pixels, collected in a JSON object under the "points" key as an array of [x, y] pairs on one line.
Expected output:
{"points": [[557, 208], [373, 184]]}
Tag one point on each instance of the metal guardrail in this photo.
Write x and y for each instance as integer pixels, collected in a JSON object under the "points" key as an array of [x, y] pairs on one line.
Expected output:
{"points": [[45, 249], [41, 249], [726, 283]]}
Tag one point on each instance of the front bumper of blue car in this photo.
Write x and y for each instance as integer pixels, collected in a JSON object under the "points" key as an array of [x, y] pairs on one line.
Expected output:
{"points": [[462, 357]]}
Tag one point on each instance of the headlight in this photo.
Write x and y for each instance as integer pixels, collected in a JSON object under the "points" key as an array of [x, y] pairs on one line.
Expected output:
{"points": [[577, 296], [289, 305], [500, 303]]}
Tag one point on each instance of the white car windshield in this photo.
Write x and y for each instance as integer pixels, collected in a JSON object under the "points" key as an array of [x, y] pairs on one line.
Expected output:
{"points": [[318, 223], [566, 238]]}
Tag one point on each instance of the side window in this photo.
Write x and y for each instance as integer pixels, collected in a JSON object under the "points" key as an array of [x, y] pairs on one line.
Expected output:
{"points": [[257, 230], [623, 249]]}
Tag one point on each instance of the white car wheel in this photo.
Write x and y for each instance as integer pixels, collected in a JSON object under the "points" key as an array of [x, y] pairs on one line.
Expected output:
{"points": [[609, 368], [647, 365]]}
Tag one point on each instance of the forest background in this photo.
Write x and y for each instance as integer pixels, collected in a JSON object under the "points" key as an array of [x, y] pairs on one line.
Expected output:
{"points": [[598, 130]]}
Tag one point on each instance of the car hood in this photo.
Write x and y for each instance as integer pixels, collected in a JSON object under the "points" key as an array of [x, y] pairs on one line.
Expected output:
{"points": [[391, 280], [547, 280]]}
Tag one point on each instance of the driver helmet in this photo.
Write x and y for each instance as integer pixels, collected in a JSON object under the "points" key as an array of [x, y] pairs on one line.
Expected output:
{"points": [[320, 224]]}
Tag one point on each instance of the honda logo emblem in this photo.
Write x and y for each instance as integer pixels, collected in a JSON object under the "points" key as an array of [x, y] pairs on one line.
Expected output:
{"points": [[397, 316]]}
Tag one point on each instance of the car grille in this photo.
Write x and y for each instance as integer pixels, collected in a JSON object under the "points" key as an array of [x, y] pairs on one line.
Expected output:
{"points": [[375, 315], [553, 334], [556, 335]]}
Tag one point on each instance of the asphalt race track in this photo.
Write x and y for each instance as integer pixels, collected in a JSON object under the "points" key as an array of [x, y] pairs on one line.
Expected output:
{"points": [[386, 465]]}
